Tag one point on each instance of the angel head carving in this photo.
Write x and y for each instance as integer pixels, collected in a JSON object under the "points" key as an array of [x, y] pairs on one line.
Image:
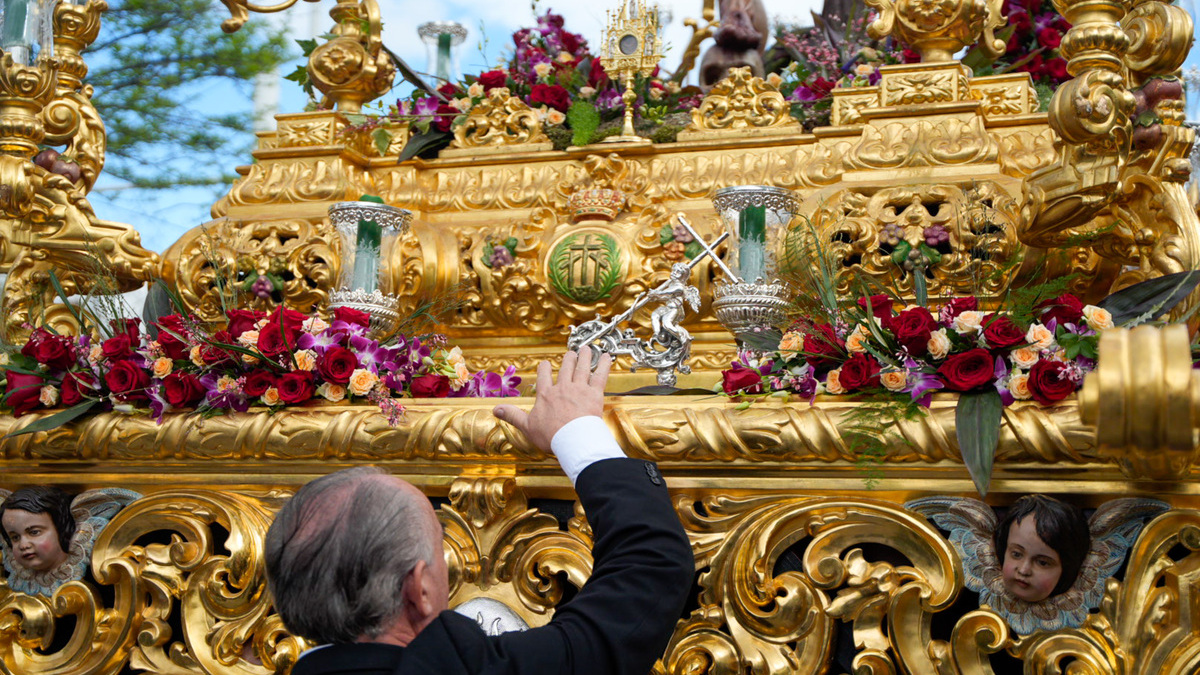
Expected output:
{"points": [[1042, 567], [37, 527], [1043, 543], [47, 536]]}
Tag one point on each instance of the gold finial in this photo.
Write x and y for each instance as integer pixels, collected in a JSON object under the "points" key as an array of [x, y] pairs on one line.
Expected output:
{"points": [[631, 46]]}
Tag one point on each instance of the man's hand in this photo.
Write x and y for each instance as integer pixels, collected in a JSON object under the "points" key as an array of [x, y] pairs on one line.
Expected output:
{"points": [[579, 392]]}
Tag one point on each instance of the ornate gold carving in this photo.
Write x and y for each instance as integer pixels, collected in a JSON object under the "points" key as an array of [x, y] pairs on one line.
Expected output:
{"points": [[742, 103], [920, 86], [939, 28], [979, 218], [219, 256], [24, 91], [1160, 36], [849, 103], [1144, 379], [497, 547], [1005, 95], [923, 143], [502, 123]]}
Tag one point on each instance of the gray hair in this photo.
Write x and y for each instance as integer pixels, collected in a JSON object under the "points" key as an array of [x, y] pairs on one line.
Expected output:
{"points": [[339, 551]]}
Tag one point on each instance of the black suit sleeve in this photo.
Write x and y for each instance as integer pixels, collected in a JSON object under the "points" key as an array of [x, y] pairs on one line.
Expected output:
{"points": [[622, 618]]}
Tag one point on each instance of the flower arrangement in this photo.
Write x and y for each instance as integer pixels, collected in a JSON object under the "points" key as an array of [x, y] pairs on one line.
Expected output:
{"points": [[272, 360], [913, 351], [1037, 348], [553, 71]]}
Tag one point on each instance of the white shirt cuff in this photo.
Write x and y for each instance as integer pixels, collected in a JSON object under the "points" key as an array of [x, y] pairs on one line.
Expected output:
{"points": [[582, 442]]}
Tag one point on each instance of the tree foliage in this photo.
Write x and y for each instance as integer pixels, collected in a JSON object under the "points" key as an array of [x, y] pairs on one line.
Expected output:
{"points": [[173, 89]]}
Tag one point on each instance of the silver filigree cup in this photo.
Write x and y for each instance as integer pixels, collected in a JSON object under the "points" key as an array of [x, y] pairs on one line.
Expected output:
{"points": [[757, 218], [368, 233]]}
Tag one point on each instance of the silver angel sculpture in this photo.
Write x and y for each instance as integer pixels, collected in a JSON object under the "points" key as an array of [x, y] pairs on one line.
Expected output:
{"points": [[1042, 567], [47, 537]]}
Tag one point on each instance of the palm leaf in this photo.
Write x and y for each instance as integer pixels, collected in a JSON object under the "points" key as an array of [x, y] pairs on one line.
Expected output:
{"points": [[1150, 299], [57, 419], [978, 418]]}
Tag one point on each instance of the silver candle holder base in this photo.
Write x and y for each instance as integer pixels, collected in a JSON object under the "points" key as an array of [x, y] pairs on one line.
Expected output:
{"points": [[383, 310], [744, 306]]}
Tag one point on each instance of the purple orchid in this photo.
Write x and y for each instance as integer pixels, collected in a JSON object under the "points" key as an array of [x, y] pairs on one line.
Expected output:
{"points": [[1001, 383], [224, 392], [426, 107], [320, 342], [920, 384], [158, 402], [370, 354]]}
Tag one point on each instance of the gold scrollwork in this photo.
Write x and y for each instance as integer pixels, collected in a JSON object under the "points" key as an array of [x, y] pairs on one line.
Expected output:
{"points": [[218, 257], [744, 103], [500, 122], [939, 28]]}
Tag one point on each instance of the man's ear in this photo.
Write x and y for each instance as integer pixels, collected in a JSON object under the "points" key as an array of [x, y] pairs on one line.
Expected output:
{"points": [[418, 591]]}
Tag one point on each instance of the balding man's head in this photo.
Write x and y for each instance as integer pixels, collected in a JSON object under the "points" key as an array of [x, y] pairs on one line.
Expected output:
{"points": [[340, 550]]}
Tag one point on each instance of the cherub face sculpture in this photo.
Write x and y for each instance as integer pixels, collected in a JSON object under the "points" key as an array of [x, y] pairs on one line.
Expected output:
{"points": [[1031, 568], [34, 540]]}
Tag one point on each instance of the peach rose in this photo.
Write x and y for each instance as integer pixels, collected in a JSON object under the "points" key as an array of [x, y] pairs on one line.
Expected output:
{"points": [[894, 380], [939, 344], [833, 382], [248, 339], [555, 117], [305, 359], [331, 392], [249, 359], [774, 80], [566, 57], [968, 322], [271, 396], [194, 356], [362, 381], [475, 90], [1097, 318], [1018, 386], [1024, 357], [162, 367], [314, 324], [48, 396], [792, 341], [857, 340], [1039, 337], [542, 69], [95, 354], [587, 92]]}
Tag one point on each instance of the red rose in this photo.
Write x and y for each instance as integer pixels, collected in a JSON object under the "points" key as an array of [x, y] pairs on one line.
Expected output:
{"points": [[281, 332], [1048, 382], [295, 387], [881, 305], [127, 327], [823, 347], [431, 386], [337, 365], [117, 347], [822, 87], [443, 117], [182, 389], [448, 89], [912, 328], [352, 316], [172, 336], [966, 371], [552, 95], [212, 354], [1001, 333], [739, 379], [571, 42], [242, 320], [127, 381], [1066, 308], [859, 372], [258, 382], [75, 386], [492, 79], [957, 306], [597, 76], [1056, 69], [56, 352], [22, 392], [1049, 38]]}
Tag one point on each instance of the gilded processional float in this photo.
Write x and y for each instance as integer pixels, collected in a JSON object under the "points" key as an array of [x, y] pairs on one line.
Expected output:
{"points": [[831, 531]]}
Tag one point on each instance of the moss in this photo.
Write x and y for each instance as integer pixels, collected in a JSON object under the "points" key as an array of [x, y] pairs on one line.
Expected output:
{"points": [[559, 135]]}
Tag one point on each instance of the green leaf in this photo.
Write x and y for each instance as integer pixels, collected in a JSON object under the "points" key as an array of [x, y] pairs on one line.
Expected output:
{"points": [[583, 119], [307, 46], [1150, 299], [355, 119], [57, 419], [920, 287], [382, 139], [978, 418], [900, 254], [419, 143], [158, 304], [762, 341]]}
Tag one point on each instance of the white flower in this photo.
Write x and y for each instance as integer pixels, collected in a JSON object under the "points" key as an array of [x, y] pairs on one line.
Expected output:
{"points": [[48, 396], [1097, 318], [1039, 337], [542, 70], [586, 92], [939, 344], [968, 322]]}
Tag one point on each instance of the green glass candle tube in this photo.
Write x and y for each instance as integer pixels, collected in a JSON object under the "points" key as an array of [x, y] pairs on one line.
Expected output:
{"points": [[15, 17], [752, 240], [367, 251]]}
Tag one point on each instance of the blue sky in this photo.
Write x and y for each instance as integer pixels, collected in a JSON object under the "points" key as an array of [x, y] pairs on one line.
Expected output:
{"points": [[162, 219]]}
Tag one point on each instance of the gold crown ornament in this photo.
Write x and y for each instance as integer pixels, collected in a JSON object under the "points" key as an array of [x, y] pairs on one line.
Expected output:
{"points": [[596, 204]]}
